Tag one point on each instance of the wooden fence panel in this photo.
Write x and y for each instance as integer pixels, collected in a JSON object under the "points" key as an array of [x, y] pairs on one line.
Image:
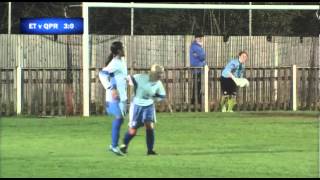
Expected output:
{"points": [[44, 51], [44, 92], [7, 92], [308, 88], [45, 60]]}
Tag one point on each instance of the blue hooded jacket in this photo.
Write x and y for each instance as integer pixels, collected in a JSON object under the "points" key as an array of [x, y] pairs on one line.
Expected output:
{"points": [[197, 55]]}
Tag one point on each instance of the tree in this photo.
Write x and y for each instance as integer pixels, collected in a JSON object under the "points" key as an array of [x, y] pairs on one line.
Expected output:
{"points": [[173, 22]]}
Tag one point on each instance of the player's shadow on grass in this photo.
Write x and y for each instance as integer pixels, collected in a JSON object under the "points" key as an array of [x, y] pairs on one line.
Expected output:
{"points": [[239, 152]]}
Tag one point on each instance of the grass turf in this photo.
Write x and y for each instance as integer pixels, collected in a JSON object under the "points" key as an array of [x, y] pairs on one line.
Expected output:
{"points": [[189, 145]]}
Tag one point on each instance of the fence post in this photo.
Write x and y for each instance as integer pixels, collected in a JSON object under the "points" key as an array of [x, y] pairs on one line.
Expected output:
{"points": [[93, 75], [276, 65], [19, 76], [206, 88], [187, 43], [85, 62], [294, 87]]}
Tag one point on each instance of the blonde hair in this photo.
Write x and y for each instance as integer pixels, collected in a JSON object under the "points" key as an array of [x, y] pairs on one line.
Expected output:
{"points": [[155, 68]]}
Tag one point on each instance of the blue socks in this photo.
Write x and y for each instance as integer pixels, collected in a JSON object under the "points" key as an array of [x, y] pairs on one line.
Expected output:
{"points": [[150, 139], [116, 124], [127, 138]]}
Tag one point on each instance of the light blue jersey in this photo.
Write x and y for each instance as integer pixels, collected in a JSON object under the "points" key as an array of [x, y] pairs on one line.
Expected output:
{"points": [[145, 90], [115, 76], [235, 67]]}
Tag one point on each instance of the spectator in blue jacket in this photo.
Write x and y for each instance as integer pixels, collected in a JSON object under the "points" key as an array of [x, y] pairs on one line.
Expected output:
{"points": [[197, 59]]}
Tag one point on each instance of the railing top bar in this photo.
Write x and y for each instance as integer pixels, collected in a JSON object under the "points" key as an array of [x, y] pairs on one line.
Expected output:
{"points": [[143, 68], [7, 69], [40, 68], [308, 67]]}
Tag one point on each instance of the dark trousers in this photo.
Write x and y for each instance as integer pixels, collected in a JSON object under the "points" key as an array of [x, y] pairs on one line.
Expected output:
{"points": [[196, 88], [228, 86]]}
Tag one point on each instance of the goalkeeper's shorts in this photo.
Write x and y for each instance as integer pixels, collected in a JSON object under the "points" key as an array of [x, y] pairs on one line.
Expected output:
{"points": [[228, 86]]}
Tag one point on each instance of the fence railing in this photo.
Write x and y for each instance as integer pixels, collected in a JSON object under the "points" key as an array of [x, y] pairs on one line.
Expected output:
{"points": [[58, 91], [50, 92]]}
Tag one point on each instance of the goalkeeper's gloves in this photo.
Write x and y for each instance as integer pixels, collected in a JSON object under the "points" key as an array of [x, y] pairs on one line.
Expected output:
{"points": [[241, 82], [236, 81]]}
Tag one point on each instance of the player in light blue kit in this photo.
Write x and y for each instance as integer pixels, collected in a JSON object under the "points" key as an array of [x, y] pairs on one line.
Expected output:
{"points": [[147, 89], [231, 77], [114, 79]]}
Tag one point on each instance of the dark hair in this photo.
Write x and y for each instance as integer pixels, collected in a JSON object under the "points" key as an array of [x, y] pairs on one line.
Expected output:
{"points": [[116, 48], [198, 35], [243, 52]]}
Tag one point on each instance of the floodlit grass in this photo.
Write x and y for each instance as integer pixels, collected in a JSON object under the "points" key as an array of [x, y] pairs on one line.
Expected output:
{"points": [[244, 144]]}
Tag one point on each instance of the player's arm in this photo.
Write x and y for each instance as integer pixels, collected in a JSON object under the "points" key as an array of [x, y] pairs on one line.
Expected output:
{"points": [[107, 80], [104, 77], [229, 67], [160, 94], [159, 97], [241, 82], [133, 81], [244, 81], [231, 76]]}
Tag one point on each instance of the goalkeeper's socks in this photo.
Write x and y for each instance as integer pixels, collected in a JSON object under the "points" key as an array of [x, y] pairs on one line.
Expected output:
{"points": [[127, 138], [116, 124], [231, 103], [223, 102], [224, 109], [150, 139]]}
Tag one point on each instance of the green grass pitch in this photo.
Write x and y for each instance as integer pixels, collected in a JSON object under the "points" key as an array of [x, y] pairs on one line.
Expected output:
{"points": [[243, 144]]}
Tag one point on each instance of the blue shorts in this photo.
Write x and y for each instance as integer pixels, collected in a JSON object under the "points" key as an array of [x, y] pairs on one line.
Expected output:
{"points": [[138, 115], [117, 109]]}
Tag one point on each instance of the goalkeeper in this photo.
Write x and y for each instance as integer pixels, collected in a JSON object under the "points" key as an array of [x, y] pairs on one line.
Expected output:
{"points": [[147, 89], [231, 79]]}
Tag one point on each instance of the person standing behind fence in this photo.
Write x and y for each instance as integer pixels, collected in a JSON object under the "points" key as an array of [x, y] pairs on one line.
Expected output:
{"points": [[197, 59], [114, 79], [148, 88], [231, 77]]}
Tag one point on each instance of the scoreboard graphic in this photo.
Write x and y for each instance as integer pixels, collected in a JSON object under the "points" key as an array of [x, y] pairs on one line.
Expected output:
{"points": [[51, 25]]}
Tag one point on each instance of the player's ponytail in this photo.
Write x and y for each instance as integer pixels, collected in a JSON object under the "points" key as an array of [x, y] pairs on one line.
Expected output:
{"points": [[109, 58], [116, 50]]}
